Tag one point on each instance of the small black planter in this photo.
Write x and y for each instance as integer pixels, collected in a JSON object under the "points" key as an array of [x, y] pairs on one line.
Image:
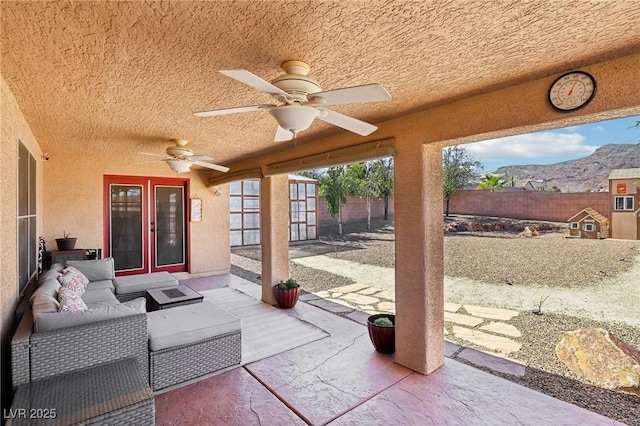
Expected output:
{"points": [[383, 338], [65, 244]]}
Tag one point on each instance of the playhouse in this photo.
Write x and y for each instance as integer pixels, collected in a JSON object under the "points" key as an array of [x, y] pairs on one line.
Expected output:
{"points": [[624, 192], [589, 224]]}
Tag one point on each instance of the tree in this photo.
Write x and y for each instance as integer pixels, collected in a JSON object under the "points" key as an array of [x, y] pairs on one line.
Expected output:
{"points": [[332, 186], [459, 169], [493, 182], [383, 173]]}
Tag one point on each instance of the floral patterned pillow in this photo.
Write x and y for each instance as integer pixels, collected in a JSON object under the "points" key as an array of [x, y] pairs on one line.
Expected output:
{"points": [[70, 300], [73, 279]]}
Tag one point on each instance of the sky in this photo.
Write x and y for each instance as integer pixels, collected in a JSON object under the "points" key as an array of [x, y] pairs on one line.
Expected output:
{"points": [[554, 146]]}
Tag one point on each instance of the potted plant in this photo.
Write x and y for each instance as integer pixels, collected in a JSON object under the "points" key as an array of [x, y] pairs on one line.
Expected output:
{"points": [[66, 242], [287, 293], [382, 332]]}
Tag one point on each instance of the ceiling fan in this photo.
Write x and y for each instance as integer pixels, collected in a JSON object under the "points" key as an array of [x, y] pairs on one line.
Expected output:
{"points": [[180, 158], [301, 100]]}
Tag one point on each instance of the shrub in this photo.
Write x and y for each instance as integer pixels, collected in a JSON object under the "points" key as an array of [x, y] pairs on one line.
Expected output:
{"points": [[383, 322]]}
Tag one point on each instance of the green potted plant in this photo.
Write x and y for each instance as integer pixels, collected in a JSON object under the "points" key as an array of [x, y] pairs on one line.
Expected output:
{"points": [[287, 293], [66, 242], [382, 332]]}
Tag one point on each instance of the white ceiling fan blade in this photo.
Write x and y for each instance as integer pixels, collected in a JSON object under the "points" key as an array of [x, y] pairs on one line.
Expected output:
{"points": [[211, 166], [254, 81], [200, 158], [283, 135], [225, 111], [349, 123], [357, 94]]}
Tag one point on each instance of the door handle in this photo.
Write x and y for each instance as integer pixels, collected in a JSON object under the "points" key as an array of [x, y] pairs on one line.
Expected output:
{"points": [[152, 230]]}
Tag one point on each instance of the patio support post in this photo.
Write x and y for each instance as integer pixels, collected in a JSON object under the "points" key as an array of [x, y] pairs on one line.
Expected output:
{"points": [[419, 271], [274, 233]]}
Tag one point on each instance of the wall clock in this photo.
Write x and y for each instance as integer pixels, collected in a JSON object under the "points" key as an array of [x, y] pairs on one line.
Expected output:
{"points": [[572, 91]]}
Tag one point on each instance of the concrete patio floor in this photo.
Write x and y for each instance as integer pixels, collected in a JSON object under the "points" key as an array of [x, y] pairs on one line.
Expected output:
{"points": [[341, 380]]}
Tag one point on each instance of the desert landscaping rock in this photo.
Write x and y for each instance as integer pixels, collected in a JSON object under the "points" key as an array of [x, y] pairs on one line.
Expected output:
{"points": [[359, 299], [452, 307], [601, 358], [387, 307]]}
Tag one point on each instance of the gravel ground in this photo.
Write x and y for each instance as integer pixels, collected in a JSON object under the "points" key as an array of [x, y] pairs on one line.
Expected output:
{"points": [[550, 260]]}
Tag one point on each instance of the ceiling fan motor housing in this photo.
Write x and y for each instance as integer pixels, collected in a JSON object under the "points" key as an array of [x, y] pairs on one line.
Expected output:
{"points": [[296, 80]]}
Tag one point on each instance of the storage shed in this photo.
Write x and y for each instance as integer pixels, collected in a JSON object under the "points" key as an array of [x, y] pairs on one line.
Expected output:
{"points": [[589, 224], [624, 192]]}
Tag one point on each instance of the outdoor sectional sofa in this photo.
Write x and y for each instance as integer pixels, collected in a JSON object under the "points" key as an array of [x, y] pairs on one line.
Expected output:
{"points": [[170, 346]]}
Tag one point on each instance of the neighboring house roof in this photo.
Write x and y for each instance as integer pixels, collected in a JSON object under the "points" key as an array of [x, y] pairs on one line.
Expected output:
{"points": [[625, 174], [589, 212], [534, 184]]}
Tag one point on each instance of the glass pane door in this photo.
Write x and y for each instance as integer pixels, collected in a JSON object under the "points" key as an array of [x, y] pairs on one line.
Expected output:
{"points": [[169, 226], [126, 227]]}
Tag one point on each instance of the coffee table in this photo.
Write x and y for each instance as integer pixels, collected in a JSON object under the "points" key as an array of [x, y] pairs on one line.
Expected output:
{"points": [[164, 298]]}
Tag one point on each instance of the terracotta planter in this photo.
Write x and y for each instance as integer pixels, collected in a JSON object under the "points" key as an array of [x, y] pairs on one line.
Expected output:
{"points": [[65, 244], [287, 298], [383, 338]]}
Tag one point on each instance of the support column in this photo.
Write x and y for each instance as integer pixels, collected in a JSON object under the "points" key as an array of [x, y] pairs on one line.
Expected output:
{"points": [[274, 233], [419, 271]]}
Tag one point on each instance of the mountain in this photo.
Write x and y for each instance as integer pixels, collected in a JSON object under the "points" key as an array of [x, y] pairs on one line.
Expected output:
{"points": [[584, 174]]}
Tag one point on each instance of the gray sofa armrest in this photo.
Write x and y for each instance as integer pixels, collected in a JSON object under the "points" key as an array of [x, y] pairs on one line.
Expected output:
{"points": [[74, 348], [20, 351]]}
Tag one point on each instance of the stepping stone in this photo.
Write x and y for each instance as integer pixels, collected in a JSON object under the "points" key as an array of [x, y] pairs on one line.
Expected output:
{"points": [[452, 307], [491, 313], [360, 299], [336, 295], [502, 328], [495, 343], [462, 319], [351, 288], [366, 308], [369, 291], [331, 306], [446, 332], [387, 294], [493, 362], [387, 307], [323, 294]]}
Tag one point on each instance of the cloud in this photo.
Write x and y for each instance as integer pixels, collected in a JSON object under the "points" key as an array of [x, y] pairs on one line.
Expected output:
{"points": [[531, 146]]}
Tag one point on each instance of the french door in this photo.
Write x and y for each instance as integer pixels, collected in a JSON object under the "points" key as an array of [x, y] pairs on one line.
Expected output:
{"points": [[146, 227]]}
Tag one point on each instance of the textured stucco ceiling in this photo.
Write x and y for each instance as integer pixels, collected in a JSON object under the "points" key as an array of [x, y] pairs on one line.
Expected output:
{"points": [[127, 76]]}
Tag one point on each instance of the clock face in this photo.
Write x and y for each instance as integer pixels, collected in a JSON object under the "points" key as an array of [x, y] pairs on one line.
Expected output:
{"points": [[572, 91]]}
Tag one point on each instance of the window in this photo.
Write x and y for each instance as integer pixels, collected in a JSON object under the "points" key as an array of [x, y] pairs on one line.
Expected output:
{"points": [[589, 227], [574, 225], [244, 199], [26, 215], [624, 203]]}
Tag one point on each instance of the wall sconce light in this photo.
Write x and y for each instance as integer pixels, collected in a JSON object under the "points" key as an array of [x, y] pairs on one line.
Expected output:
{"points": [[45, 156], [218, 191]]}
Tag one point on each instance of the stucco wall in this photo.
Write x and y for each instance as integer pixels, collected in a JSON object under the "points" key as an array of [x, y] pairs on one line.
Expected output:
{"points": [[354, 211], [532, 205], [13, 127], [73, 198]]}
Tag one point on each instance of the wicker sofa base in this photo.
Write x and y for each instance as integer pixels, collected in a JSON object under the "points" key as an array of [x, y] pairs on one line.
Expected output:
{"points": [[113, 393], [179, 364]]}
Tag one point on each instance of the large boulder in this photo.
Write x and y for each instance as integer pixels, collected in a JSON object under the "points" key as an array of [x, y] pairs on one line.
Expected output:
{"points": [[601, 358]]}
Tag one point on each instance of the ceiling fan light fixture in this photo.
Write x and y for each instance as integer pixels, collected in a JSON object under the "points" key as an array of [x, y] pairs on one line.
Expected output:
{"points": [[179, 166], [294, 118]]}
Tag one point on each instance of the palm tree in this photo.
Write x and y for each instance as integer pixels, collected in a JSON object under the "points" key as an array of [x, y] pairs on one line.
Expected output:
{"points": [[492, 181]]}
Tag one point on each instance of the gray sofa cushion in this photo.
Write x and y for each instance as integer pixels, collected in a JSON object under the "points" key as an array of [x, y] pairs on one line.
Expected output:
{"points": [[44, 303], [58, 320], [188, 324], [47, 287], [136, 283], [98, 295], [96, 269], [108, 284]]}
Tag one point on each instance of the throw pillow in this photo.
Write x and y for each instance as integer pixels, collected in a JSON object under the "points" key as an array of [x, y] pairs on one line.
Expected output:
{"points": [[74, 280], [74, 271], [70, 300]]}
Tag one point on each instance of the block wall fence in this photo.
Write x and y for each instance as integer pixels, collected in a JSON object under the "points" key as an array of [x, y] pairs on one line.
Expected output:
{"points": [[529, 205]]}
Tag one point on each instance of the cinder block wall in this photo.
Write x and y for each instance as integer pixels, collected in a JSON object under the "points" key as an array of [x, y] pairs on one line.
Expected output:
{"points": [[532, 205], [354, 211]]}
